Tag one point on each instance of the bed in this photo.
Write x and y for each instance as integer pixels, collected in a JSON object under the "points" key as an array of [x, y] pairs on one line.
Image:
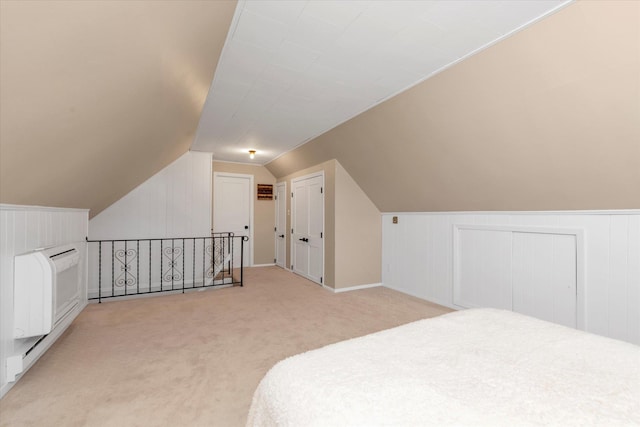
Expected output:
{"points": [[472, 367]]}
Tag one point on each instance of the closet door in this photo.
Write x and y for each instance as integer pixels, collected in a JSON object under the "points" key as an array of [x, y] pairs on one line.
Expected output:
{"points": [[544, 277], [529, 270], [307, 219], [483, 269]]}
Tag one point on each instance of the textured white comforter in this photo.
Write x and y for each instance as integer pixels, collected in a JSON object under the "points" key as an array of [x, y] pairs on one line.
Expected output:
{"points": [[473, 367]]}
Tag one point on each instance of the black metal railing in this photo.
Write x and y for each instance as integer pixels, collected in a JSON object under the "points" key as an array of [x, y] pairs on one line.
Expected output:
{"points": [[125, 267]]}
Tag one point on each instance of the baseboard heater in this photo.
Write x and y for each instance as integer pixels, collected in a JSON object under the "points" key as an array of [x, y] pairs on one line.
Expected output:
{"points": [[46, 290]]}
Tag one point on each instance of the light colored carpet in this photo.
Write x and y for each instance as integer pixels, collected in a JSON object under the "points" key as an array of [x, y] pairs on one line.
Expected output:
{"points": [[193, 359]]}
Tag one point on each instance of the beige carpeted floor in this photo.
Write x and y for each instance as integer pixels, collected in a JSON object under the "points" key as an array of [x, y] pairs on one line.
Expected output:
{"points": [[192, 359]]}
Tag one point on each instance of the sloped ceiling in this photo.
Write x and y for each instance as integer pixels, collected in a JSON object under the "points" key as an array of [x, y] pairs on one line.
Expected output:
{"points": [[292, 70], [548, 119], [97, 96]]}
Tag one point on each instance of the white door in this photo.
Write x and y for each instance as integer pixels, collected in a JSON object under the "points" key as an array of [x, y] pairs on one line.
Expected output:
{"points": [[528, 270], [233, 211], [281, 224], [544, 276], [307, 220]]}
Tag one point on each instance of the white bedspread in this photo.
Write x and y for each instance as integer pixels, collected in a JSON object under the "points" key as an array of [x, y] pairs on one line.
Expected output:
{"points": [[473, 367]]}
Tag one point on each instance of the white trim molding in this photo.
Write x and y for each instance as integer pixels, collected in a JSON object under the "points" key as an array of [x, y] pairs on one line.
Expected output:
{"points": [[9, 207], [419, 258], [352, 288], [577, 212]]}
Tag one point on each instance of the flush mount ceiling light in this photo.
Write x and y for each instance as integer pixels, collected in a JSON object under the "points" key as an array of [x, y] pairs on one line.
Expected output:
{"points": [[252, 154]]}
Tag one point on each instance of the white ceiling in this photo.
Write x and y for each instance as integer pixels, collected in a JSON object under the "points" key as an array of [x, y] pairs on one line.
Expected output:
{"points": [[292, 70]]}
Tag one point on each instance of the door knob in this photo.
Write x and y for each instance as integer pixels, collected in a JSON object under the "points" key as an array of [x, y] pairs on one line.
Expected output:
{"points": [[282, 236]]}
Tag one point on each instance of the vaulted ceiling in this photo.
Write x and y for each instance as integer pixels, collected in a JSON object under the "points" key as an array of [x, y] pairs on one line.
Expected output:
{"points": [[292, 70], [97, 96]]}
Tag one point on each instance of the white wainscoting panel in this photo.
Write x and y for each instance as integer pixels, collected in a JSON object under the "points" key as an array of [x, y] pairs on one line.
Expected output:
{"points": [[175, 202], [545, 277], [24, 229], [418, 259], [482, 268]]}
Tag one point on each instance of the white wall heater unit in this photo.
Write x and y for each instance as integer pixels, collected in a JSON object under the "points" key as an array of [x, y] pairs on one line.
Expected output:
{"points": [[46, 289]]}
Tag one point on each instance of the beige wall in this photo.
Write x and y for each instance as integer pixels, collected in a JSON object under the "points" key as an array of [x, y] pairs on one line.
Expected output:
{"points": [[358, 238], [97, 96], [548, 119], [352, 228], [263, 210]]}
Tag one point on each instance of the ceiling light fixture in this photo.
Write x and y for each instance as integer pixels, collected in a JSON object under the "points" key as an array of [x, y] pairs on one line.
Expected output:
{"points": [[252, 154]]}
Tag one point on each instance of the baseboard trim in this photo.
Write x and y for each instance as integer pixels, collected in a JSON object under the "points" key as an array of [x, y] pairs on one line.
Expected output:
{"points": [[563, 212], [352, 288], [263, 265], [43, 346], [432, 300]]}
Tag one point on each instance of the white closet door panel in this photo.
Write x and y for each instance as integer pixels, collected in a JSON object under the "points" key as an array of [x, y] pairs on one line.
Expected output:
{"points": [[300, 225], [301, 258], [300, 209], [316, 227], [315, 263], [544, 276], [484, 269], [315, 207]]}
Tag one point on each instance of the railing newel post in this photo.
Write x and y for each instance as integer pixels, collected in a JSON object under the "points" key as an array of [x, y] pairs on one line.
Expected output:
{"points": [[150, 271], [161, 266], [242, 260], [99, 272], [193, 274], [113, 276], [126, 269], [138, 266], [183, 274]]}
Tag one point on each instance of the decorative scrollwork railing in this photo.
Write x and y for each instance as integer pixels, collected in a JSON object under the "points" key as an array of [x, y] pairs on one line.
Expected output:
{"points": [[141, 266]]}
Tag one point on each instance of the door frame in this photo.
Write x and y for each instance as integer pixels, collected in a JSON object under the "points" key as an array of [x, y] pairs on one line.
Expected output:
{"points": [[275, 243], [291, 242], [251, 207]]}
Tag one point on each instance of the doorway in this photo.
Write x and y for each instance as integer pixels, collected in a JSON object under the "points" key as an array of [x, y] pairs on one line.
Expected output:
{"points": [[233, 209], [307, 221], [281, 224]]}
